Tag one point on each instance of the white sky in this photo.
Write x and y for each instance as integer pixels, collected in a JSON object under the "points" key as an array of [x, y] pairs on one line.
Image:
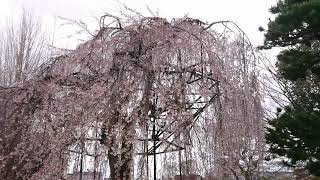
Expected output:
{"points": [[248, 14]]}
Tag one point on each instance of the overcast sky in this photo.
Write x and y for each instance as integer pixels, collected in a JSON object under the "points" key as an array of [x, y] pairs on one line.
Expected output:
{"points": [[248, 14]]}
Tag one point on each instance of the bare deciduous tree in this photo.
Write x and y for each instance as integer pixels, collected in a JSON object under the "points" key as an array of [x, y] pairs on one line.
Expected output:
{"points": [[23, 47]]}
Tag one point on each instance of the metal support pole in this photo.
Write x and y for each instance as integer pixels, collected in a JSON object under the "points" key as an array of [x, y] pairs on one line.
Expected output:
{"points": [[154, 151], [180, 169], [81, 162], [146, 151]]}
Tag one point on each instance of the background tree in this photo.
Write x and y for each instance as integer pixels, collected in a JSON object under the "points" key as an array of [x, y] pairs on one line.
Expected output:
{"points": [[23, 47], [294, 133]]}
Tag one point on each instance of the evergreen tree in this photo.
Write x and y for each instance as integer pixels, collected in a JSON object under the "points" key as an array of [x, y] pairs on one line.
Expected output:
{"points": [[295, 132]]}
